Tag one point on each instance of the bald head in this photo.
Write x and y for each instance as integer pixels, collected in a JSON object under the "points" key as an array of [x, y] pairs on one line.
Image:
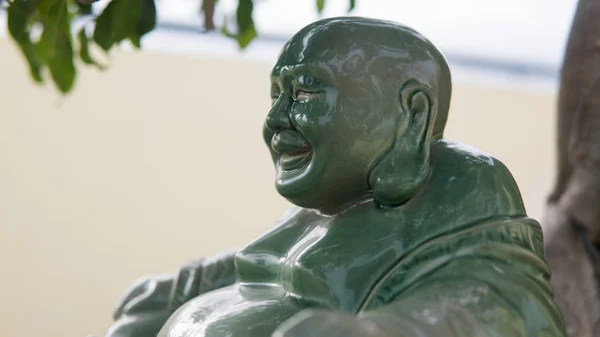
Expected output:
{"points": [[372, 55], [356, 103]]}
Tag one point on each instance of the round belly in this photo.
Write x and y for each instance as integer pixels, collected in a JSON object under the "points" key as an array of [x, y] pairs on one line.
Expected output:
{"points": [[235, 311]]}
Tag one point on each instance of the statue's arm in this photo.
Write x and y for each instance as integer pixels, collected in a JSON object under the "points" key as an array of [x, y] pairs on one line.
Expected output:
{"points": [[466, 298], [489, 281], [473, 296], [149, 302]]}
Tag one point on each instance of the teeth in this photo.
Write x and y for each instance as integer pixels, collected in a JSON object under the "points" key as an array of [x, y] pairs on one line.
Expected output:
{"points": [[290, 162]]}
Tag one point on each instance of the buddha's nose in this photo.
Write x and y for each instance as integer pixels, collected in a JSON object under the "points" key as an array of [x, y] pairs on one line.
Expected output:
{"points": [[278, 118]]}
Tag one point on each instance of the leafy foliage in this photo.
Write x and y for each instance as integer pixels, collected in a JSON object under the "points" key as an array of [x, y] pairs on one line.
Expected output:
{"points": [[43, 31], [55, 50], [245, 24]]}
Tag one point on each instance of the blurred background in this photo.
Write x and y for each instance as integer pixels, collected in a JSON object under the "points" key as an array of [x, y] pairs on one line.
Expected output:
{"points": [[159, 159]]}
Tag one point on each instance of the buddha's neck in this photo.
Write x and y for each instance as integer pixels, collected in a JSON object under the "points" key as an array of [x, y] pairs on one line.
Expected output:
{"points": [[333, 212]]}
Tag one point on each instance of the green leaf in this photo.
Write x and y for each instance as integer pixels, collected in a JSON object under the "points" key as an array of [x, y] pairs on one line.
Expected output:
{"points": [[84, 50], [116, 22], [244, 15], [45, 45], [246, 37], [146, 22], [246, 30], [320, 5], [352, 5], [60, 55], [103, 34], [225, 30], [124, 19], [19, 13], [84, 9], [35, 67]]}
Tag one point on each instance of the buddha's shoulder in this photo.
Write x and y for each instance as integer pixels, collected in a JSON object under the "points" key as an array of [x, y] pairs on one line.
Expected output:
{"points": [[473, 181], [445, 150], [458, 158]]}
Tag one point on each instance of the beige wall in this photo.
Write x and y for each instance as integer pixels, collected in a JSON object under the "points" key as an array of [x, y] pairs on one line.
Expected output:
{"points": [[160, 160]]}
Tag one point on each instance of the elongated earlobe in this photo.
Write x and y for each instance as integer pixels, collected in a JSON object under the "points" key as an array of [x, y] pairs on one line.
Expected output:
{"points": [[402, 170]]}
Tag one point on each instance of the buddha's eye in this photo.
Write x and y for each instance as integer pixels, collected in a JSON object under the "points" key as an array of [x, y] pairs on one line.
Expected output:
{"points": [[306, 80], [304, 88]]}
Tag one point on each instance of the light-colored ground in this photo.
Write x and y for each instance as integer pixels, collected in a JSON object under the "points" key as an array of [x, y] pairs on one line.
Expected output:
{"points": [[159, 161]]}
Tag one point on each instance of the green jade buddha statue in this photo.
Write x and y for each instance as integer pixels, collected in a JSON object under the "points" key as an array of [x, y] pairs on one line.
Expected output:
{"points": [[397, 232]]}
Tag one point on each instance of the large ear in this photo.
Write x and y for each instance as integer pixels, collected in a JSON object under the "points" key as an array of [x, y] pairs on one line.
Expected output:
{"points": [[402, 170]]}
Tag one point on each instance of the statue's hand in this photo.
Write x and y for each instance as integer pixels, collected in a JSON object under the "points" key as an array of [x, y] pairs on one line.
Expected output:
{"points": [[329, 323], [144, 309], [147, 294]]}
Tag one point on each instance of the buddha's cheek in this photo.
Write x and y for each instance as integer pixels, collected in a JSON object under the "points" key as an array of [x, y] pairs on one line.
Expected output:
{"points": [[315, 120], [231, 312]]}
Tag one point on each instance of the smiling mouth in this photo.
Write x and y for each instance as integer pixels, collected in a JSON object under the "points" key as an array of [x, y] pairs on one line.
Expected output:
{"points": [[294, 161], [294, 152]]}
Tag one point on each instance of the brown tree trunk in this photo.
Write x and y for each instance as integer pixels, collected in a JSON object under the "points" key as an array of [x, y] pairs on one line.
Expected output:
{"points": [[208, 9], [573, 214]]}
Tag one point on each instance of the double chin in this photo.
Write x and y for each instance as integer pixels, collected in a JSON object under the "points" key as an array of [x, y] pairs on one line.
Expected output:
{"points": [[293, 184]]}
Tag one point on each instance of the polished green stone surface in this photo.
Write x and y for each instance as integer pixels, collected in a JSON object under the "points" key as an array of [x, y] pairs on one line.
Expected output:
{"points": [[397, 231]]}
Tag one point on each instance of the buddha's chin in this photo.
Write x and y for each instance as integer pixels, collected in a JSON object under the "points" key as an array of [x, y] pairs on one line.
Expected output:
{"points": [[295, 177]]}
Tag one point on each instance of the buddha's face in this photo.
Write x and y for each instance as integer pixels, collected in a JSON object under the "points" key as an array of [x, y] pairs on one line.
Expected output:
{"points": [[332, 117]]}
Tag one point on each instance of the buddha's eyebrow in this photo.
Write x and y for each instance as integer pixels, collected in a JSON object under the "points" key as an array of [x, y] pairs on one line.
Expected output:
{"points": [[318, 70], [287, 71], [291, 70], [302, 68]]}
